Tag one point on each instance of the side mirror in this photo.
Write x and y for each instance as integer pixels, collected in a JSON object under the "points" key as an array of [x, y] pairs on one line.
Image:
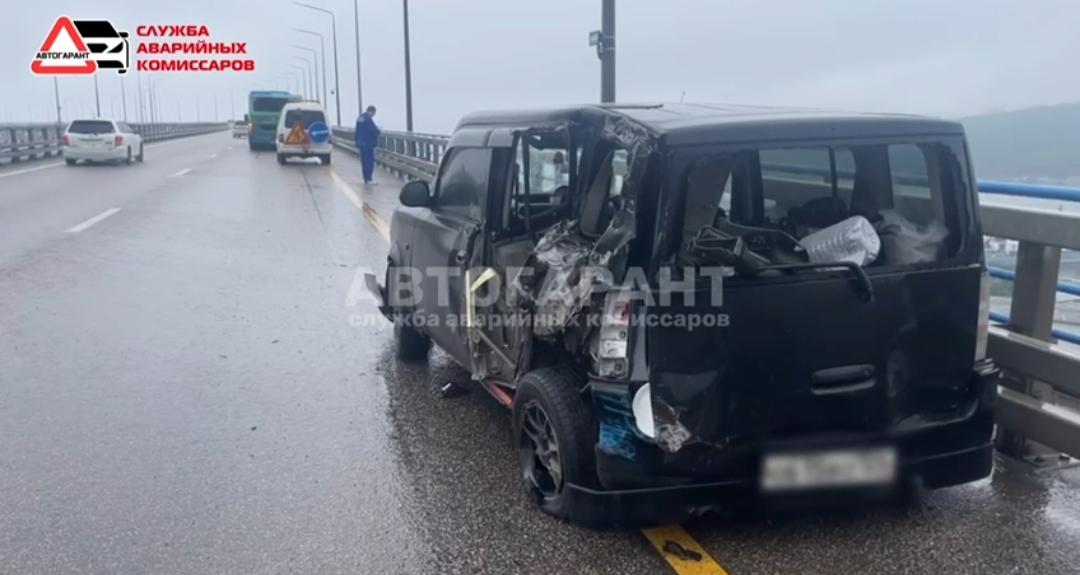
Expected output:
{"points": [[415, 194]]}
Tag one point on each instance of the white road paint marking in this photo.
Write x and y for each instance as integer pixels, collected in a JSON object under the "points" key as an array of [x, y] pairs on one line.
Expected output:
{"points": [[211, 156], [180, 173], [85, 225], [28, 170]]}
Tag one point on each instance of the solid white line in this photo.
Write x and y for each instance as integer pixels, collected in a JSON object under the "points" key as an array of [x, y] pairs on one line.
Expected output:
{"points": [[180, 173], [85, 225], [28, 170]]}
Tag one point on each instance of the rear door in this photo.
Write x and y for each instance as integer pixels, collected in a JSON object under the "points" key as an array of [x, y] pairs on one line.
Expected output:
{"points": [[788, 353], [444, 244]]}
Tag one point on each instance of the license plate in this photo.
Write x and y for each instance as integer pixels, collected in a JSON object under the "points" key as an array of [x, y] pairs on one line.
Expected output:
{"points": [[823, 469]]}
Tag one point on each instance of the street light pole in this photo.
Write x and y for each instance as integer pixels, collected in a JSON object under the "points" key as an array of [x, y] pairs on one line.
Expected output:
{"points": [[301, 71], [604, 40], [322, 47], [359, 85], [315, 57], [408, 69], [97, 97], [56, 95], [123, 98], [333, 27], [309, 69]]}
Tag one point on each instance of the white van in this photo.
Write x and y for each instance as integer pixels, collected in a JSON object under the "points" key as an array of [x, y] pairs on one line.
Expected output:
{"points": [[295, 136]]}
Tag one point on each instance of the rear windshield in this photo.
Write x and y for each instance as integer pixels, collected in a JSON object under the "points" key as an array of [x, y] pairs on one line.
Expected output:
{"points": [[239, 123], [268, 104], [90, 127], [893, 203], [305, 117]]}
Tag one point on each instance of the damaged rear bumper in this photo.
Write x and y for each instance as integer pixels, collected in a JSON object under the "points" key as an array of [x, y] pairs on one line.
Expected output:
{"points": [[643, 484], [658, 505]]}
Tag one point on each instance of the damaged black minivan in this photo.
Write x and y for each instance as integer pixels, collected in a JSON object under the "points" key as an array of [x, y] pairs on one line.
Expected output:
{"points": [[690, 304]]}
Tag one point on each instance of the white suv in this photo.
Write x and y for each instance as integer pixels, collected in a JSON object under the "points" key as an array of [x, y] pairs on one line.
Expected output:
{"points": [[302, 132], [101, 141]]}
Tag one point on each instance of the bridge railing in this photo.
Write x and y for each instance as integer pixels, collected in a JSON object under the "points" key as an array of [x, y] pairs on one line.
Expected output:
{"points": [[24, 142], [1038, 397], [409, 156]]}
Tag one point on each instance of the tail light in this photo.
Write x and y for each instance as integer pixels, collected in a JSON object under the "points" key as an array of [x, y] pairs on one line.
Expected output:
{"points": [[982, 328], [251, 127], [613, 343], [65, 139], [118, 140]]}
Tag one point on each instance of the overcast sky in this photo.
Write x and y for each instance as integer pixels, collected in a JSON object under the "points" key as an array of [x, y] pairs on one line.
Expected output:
{"points": [[938, 57]]}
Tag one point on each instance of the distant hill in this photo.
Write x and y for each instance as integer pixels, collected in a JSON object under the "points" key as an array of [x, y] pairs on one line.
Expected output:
{"points": [[1040, 143]]}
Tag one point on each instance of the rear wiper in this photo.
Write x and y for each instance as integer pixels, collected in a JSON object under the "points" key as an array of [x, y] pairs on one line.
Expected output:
{"points": [[862, 281]]}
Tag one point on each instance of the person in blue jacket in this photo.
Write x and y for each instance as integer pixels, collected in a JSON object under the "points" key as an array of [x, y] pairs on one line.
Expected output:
{"points": [[367, 139]]}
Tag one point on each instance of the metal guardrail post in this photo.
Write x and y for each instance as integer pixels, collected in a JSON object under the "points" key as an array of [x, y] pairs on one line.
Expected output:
{"points": [[1031, 314]]}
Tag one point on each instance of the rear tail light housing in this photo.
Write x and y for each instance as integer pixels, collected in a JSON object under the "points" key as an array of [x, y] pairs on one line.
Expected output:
{"points": [[118, 140], [613, 342], [982, 327], [65, 140], [251, 127]]}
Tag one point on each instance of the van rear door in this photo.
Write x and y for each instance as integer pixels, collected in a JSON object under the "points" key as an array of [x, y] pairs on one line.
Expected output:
{"points": [[810, 351]]}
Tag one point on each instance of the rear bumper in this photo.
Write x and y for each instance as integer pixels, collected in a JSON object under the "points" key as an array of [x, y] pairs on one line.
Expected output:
{"points": [[657, 505], [304, 152], [644, 484], [96, 154]]}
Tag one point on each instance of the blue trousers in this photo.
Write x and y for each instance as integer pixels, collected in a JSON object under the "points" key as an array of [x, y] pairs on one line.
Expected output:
{"points": [[367, 158]]}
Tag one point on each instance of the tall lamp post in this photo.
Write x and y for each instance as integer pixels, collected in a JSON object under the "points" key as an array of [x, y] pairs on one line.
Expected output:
{"points": [[359, 85], [322, 47], [309, 68], [604, 40], [408, 68], [333, 28], [315, 58], [301, 72]]}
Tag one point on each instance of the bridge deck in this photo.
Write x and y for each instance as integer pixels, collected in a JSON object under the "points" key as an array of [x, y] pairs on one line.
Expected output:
{"points": [[183, 392]]}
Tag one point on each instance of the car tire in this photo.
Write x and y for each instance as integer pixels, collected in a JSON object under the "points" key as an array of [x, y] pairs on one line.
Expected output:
{"points": [[325, 159], [251, 145], [550, 412], [141, 155], [281, 159], [69, 161], [127, 160]]}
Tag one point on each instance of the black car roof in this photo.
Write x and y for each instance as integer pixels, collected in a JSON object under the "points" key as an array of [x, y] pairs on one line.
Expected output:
{"points": [[699, 123]]}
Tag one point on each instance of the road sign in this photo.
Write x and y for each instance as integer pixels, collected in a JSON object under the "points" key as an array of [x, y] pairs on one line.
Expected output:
{"points": [[319, 132]]}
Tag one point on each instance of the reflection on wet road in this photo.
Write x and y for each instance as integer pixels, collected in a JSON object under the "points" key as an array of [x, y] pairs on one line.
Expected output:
{"points": [[187, 387]]}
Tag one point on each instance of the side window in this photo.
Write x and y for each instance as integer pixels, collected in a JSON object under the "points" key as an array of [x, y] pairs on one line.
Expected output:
{"points": [[549, 174], [792, 177], [911, 184], [463, 183]]}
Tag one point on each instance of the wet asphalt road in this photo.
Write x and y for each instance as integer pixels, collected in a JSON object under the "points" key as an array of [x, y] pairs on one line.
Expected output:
{"points": [[186, 386]]}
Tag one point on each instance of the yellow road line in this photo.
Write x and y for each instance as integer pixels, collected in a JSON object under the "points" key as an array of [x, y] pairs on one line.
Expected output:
{"points": [[372, 217], [685, 555]]}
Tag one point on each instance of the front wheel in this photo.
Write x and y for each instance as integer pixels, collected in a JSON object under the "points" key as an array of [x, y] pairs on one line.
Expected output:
{"points": [[325, 159], [556, 433], [141, 155], [69, 161], [127, 160], [281, 159]]}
